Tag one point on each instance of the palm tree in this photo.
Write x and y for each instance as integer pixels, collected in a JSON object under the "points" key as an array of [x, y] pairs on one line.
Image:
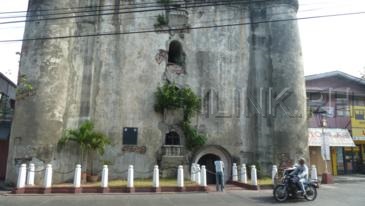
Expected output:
{"points": [[88, 140]]}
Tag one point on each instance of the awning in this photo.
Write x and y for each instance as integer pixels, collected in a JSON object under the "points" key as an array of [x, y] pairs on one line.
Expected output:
{"points": [[335, 137]]}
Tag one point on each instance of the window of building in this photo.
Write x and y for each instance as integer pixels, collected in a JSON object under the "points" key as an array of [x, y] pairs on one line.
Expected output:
{"points": [[342, 107], [176, 54], [172, 138], [130, 135]]}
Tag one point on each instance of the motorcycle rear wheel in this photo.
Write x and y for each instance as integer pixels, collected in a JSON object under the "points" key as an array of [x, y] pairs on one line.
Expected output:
{"points": [[280, 193], [311, 193]]}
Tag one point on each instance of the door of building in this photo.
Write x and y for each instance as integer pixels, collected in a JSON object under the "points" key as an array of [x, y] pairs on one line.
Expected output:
{"points": [[4, 147], [208, 161]]}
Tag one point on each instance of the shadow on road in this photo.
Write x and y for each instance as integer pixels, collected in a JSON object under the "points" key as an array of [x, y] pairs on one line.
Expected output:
{"points": [[270, 199]]}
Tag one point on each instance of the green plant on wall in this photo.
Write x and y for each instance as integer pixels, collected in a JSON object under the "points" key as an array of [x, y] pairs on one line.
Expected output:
{"points": [[24, 86], [169, 96], [164, 2], [161, 20], [88, 140]]}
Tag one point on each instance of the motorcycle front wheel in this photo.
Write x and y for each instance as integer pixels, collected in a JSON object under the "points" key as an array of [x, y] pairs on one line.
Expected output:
{"points": [[280, 193], [311, 193]]}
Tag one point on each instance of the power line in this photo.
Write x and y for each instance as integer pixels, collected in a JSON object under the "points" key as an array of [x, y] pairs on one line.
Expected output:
{"points": [[227, 2], [161, 8], [179, 29], [85, 7], [154, 16], [115, 7], [118, 5]]}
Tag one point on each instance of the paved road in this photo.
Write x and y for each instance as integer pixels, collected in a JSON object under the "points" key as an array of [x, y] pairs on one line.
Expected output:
{"points": [[338, 194]]}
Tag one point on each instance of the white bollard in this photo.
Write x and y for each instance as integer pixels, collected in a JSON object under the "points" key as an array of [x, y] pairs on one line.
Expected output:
{"points": [[314, 175], [48, 176], [156, 177], [253, 175], [243, 174], [30, 175], [192, 172], [104, 177], [180, 176], [22, 176], [198, 174], [234, 172], [77, 176], [203, 176], [130, 177], [273, 173]]}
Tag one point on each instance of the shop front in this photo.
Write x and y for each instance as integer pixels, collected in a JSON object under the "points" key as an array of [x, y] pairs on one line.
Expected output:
{"points": [[356, 156], [330, 144]]}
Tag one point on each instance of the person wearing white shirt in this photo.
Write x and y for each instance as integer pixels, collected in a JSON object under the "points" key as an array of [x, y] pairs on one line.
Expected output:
{"points": [[301, 171], [219, 174]]}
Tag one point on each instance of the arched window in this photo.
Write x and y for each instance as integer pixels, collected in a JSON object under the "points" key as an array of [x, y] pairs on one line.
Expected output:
{"points": [[176, 54], [172, 138]]}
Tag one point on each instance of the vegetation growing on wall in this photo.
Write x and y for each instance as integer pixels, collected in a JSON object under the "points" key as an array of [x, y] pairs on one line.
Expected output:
{"points": [[164, 2], [169, 96], [24, 88], [161, 20]]}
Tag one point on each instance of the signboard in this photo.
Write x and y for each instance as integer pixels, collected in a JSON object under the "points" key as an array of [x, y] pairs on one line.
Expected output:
{"points": [[358, 133], [332, 137], [358, 116]]}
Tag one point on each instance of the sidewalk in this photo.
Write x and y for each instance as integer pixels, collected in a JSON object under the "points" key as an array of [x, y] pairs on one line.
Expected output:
{"points": [[349, 178], [4, 188]]}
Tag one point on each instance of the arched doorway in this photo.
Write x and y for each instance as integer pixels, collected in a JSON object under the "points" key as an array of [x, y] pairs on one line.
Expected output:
{"points": [[208, 161], [176, 54], [210, 153]]}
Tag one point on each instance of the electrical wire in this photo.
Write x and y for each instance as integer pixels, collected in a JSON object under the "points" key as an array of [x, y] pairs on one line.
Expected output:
{"points": [[179, 29], [115, 7], [227, 2]]}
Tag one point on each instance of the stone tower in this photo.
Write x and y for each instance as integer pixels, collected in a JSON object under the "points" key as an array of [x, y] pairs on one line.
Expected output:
{"points": [[248, 73]]}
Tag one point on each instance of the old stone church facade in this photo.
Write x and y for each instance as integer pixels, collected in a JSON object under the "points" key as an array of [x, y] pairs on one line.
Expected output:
{"points": [[249, 74]]}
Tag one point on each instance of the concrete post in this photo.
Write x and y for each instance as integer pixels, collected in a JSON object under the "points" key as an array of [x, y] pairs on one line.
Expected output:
{"points": [[253, 175], [314, 175], [77, 176], [21, 176], [243, 174], [180, 176], [30, 175], [192, 173], [48, 176], [198, 180], [234, 172], [130, 177], [273, 173], [156, 177], [203, 175], [104, 177]]}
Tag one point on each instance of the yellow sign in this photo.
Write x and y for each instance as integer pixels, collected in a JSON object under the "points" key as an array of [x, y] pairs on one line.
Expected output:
{"points": [[358, 117], [358, 133]]}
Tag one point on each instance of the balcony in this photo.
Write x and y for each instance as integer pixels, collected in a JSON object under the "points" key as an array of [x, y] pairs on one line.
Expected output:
{"points": [[172, 150]]}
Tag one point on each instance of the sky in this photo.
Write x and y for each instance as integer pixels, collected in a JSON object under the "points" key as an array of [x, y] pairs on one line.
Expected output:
{"points": [[335, 43]]}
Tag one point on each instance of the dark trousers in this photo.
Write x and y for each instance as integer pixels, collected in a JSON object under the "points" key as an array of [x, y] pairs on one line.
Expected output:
{"points": [[219, 177]]}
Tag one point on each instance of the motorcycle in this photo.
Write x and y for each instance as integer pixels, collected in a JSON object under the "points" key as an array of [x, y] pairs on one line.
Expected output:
{"points": [[289, 188]]}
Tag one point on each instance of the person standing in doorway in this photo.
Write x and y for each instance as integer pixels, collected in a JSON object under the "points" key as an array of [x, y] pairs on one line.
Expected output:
{"points": [[219, 174]]}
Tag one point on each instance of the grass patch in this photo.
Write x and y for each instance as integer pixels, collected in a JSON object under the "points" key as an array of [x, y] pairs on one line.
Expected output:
{"points": [[263, 181], [137, 183]]}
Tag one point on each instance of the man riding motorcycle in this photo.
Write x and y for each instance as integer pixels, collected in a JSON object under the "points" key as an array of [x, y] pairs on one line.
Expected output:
{"points": [[301, 172]]}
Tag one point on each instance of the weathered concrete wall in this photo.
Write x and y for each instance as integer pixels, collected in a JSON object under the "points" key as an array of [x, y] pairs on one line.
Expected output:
{"points": [[112, 79]]}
